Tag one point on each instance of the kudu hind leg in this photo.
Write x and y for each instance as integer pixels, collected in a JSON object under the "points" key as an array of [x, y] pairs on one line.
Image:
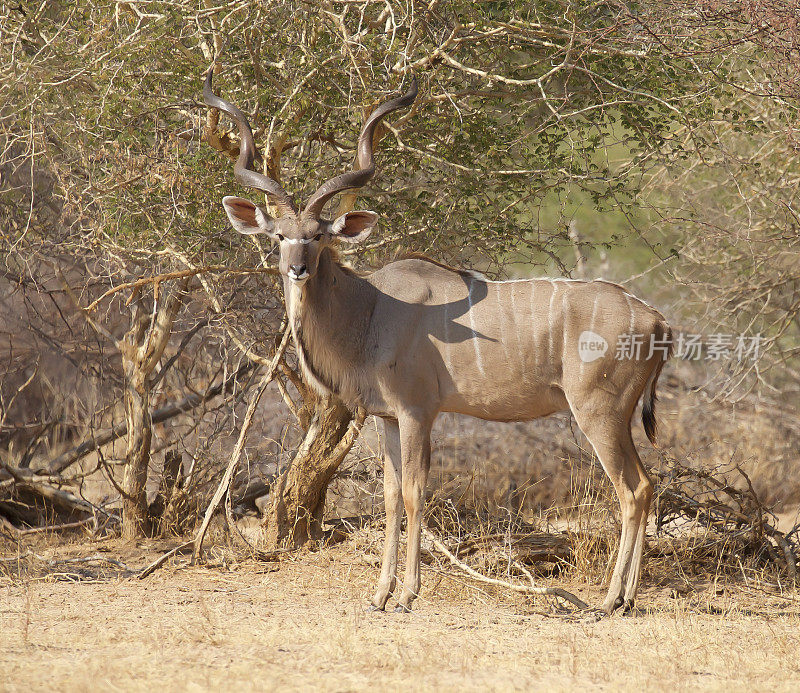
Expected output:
{"points": [[393, 501], [615, 450], [415, 438], [643, 494]]}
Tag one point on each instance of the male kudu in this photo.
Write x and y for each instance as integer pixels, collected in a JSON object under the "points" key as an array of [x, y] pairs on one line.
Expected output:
{"points": [[416, 338]]}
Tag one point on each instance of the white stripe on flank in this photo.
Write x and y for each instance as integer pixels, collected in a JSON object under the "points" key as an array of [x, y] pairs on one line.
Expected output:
{"points": [[533, 326], [591, 324], [513, 300], [515, 320], [447, 362], [594, 313], [550, 322], [630, 307], [564, 322], [475, 343], [636, 298]]}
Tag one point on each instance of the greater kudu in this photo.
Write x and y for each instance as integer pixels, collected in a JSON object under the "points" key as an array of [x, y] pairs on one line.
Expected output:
{"points": [[416, 338]]}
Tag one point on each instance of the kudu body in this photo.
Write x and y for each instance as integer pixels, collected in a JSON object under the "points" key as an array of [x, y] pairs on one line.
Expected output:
{"points": [[416, 338]]}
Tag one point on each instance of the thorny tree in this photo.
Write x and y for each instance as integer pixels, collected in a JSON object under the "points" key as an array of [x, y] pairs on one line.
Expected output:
{"points": [[527, 111]]}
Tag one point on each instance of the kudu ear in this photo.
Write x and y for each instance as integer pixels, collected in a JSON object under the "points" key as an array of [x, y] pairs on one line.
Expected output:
{"points": [[246, 217], [354, 227]]}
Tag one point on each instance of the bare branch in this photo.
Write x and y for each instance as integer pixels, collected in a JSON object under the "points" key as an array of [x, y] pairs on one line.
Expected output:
{"points": [[224, 484]]}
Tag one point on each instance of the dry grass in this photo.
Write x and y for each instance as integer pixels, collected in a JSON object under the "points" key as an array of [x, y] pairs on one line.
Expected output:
{"points": [[250, 626], [718, 612]]}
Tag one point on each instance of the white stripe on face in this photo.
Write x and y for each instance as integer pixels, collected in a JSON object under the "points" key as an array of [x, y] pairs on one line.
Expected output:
{"points": [[298, 241]]}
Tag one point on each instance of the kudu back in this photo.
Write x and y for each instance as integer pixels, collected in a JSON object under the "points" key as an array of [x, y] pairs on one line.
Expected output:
{"points": [[416, 338]]}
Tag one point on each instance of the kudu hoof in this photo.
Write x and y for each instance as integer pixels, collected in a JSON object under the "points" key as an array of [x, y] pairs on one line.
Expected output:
{"points": [[400, 609]]}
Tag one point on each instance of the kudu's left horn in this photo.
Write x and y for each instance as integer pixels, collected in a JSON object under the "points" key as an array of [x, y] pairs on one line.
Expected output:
{"points": [[366, 165]]}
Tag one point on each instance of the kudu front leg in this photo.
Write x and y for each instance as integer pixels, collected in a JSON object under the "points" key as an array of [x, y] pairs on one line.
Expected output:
{"points": [[393, 501], [415, 443]]}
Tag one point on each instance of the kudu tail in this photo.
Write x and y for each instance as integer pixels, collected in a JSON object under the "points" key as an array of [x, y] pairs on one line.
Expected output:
{"points": [[649, 404]]}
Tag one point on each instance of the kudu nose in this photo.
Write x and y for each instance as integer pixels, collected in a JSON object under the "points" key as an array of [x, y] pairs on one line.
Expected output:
{"points": [[297, 270]]}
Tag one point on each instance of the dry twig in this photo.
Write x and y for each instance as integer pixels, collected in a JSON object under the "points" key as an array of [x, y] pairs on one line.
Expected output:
{"points": [[224, 484], [525, 589], [161, 560]]}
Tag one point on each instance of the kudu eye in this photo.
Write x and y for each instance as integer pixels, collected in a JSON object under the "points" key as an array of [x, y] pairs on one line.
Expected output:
{"points": [[279, 236]]}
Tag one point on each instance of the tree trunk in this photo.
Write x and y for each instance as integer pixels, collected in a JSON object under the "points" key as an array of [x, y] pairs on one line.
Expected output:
{"points": [[141, 350], [135, 515], [170, 476], [294, 515]]}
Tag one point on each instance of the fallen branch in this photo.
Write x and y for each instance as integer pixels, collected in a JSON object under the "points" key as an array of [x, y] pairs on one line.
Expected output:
{"points": [[161, 560], [696, 494], [63, 498], [17, 475], [533, 547], [54, 528], [547, 591], [11, 559]]}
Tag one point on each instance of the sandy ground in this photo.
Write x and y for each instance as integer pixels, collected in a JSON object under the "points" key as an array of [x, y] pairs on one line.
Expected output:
{"points": [[301, 625]]}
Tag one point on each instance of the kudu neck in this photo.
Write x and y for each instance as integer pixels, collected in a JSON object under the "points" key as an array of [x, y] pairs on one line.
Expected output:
{"points": [[330, 316], [331, 283]]}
